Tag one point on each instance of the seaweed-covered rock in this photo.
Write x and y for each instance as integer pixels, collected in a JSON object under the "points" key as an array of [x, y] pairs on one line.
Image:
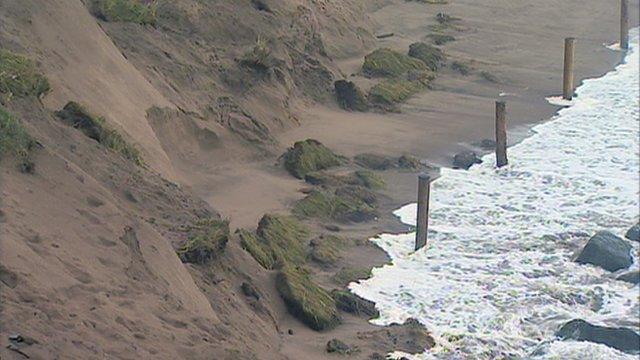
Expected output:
{"points": [[465, 160], [207, 239], [429, 54], [339, 347], [622, 339], [19, 76], [633, 233], [305, 300], [632, 277], [387, 62], [349, 96], [308, 156], [340, 205], [279, 240], [326, 249], [354, 304], [374, 161], [607, 251]]}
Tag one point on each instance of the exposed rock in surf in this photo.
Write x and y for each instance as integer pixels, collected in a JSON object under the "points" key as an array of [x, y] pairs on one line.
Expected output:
{"points": [[622, 339], [350, 97], [465, 160], [607, 251], [634, 233], [632, 277], [410, 337]]}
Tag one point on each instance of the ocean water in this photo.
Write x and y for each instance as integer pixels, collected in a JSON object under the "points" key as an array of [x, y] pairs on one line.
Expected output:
{"points": [[497, 278]]}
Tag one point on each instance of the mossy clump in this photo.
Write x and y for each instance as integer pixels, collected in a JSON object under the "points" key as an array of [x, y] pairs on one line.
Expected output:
{"points": [[305, 300], [308, 156], [352, 303], [279, 240], [326, 249], [15, 141], [374, 161], [207, 239], [134, 11], [19, 76], [430, 55], [387, 62], [461, 67], [370, 180], [350, 96], [348, 275], [73, 114], [335, 205], [441, 39], [387, 94]]}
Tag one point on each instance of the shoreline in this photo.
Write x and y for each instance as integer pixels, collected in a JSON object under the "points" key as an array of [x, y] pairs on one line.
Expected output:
{"points": [[402, 190], [487, 157]]}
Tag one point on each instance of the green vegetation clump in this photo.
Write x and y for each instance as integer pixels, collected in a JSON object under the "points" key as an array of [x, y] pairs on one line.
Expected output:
{"points": [[389, 93], [305, 300], [207, 239], [135, 11], [408, 162], [429, 54], [73, 114], [19, 76], [387, 62], [352, 303], [369, 180], [279, 240], [350, 96], [374, 161], [441, 39], [308, 156], [259, 57], [461, 67], [364, 178], [348, 275], [325, 250], [341, 205], [15, 141]]}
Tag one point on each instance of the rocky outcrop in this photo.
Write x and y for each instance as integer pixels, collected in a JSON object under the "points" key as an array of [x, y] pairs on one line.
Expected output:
{"points": [[622, 339], [465, 160], [607, 251], [634, 233], [632, 277]]}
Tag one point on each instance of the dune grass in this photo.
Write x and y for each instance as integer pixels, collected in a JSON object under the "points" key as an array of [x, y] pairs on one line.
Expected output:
{"points": [[135, 11], [15, 141], [73, 114], [345, 204], [385, 62], [19, 76], [429, 54], [308, 156], [207, 239]]}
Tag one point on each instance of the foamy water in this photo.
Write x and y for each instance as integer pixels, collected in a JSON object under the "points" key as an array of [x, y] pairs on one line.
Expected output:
{"points": [[497, 278]]}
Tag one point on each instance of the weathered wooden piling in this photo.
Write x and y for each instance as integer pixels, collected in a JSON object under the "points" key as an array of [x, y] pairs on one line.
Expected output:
{"points": [[569, 51], [424, 190], [501, 134], [624, 24]]}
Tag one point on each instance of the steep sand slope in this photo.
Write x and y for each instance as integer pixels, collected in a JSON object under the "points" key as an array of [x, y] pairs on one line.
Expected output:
{"points": [[84, 65]]}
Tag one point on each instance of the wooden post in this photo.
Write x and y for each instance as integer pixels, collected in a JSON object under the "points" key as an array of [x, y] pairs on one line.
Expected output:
{"points": [[624, 24], [569, 51], [424, 184], [501, 134]]}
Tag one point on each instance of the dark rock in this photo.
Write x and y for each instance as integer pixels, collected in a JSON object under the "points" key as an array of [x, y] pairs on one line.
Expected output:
{"points": [[607, 251], [465, 160], [634, 233], [290, 331], [339, 347], [250, 290], [630, 277], [354, 304], [349, 96], [332, 228], [622, 339], [410, 337]]}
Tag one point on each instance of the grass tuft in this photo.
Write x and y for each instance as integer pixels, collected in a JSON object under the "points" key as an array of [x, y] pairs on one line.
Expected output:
{"points": [[345, 204], [15, 141], [429, 54], [207, 239], [348, 275], [309, 156], [305, 300], [441, 39], [325, 250], [73, 114], [387, 62], [19, 76], [259, 57], [135, 11]]}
